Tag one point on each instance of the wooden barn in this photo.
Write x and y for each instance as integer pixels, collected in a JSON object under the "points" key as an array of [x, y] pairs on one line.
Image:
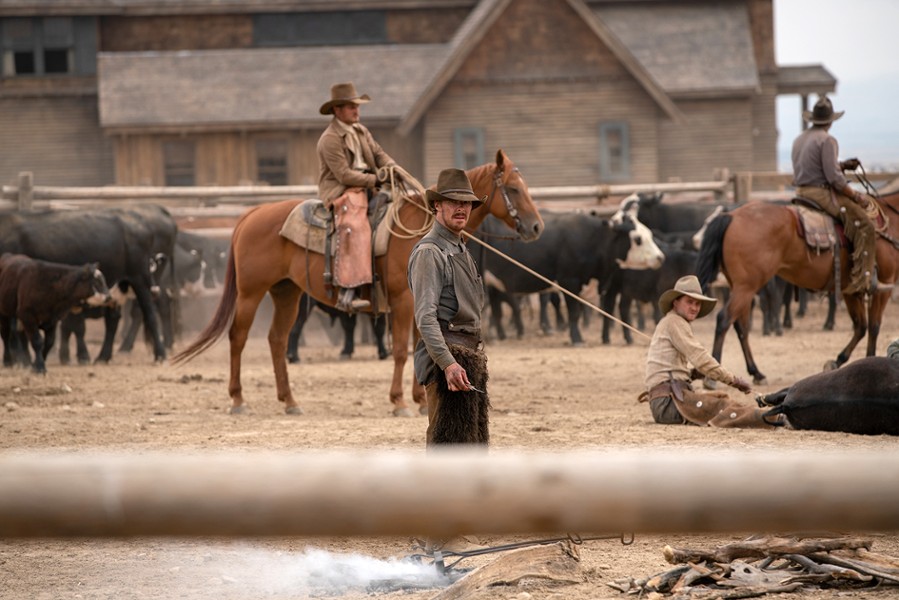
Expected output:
{"points": [[223, 92]]}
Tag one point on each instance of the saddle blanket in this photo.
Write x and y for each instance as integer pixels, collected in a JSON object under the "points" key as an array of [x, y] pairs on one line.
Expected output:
{"points": [[307, 224]]}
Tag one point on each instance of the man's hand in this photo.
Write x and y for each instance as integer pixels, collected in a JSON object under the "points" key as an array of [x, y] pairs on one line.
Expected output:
{"points": [[742, 385], [456, 378], [850, 164]]}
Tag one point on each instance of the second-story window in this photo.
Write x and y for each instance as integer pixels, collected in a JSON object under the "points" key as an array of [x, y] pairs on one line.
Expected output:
{"points": [[468, 147], [36, 46]]}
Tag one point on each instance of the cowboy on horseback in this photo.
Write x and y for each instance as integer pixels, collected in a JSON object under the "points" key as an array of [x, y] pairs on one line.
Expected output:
{"points": [[818, 176], [351, 160]]}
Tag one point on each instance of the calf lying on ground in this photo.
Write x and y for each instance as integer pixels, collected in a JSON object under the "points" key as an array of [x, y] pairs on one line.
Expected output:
{"points": [[37, 294], [861, 397]]}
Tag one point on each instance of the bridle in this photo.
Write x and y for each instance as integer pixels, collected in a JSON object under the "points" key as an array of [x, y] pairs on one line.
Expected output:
{"points": [[498, 184]]}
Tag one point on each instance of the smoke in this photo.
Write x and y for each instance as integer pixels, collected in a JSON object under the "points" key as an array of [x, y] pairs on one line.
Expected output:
{"points": [[241, 571]]}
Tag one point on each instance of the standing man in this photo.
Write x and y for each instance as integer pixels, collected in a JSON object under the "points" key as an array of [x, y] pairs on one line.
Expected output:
{"points": [[818, 176], [349, 157], [672, 352], [449, 294]]}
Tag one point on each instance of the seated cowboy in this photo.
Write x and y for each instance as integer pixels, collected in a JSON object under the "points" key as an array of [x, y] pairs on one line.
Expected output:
{"points": [[818, 176], [349, 158], [672, 352]]}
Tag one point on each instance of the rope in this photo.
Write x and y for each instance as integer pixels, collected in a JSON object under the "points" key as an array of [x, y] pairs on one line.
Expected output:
{"points": [[401, 186], [406, 177]]}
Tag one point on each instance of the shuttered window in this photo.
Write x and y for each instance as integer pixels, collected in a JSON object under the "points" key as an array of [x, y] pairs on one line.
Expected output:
{"points": [[271, 161], [614, 151], [35, 46], [178, 159], [468, 147]]}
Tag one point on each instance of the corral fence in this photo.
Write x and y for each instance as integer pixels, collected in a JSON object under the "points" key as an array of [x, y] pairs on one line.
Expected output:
{"points": [[441, 493], [205, 204]]}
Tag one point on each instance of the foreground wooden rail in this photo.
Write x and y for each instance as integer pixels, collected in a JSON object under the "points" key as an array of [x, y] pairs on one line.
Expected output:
{"points": [[404, 493]]}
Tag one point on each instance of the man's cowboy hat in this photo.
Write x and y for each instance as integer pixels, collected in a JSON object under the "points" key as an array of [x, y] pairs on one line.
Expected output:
{"points": [[343, 93], [822, 113], [687, 286], [453, 184]]}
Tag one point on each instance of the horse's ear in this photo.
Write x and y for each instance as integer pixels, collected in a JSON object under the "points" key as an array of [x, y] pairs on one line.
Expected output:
{"points": [[500, 159]]}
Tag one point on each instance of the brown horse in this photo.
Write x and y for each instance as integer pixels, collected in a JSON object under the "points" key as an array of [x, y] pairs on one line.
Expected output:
{"points": [[759, 240], [262, 261]]}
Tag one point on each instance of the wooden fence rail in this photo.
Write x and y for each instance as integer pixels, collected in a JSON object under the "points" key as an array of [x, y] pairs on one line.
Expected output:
{"points": [[640, 490]]}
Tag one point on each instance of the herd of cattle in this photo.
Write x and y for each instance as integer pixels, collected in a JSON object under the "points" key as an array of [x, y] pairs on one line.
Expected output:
{"points": [[58, 268]]}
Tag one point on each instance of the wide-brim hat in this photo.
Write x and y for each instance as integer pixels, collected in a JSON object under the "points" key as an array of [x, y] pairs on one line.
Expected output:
{"points": [[343, 93], [687, 286], [453, 184], [822, 113]]}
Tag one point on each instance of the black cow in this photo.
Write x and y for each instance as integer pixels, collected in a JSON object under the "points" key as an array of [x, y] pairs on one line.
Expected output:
{"points": [[36, 294], [644, 285], [675, 221], [121, 241], [347, 324], [573, 249], [861, 397]]}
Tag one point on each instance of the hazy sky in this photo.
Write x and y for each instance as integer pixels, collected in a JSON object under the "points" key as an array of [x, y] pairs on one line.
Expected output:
{"points": [[856, 42]]}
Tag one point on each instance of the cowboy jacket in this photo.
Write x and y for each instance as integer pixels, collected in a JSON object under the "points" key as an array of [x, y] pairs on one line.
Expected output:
{"points": [[336, 172]]}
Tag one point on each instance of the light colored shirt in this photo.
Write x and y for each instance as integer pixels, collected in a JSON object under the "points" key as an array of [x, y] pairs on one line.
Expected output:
{"points": [[674, 348]]}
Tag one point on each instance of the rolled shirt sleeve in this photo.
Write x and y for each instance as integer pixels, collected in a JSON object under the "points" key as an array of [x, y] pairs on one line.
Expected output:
{"points": [[683, 340], [426, 270]]}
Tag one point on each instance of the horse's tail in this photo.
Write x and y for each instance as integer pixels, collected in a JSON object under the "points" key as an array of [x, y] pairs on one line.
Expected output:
{"points": [[710, 252], [220, 321]]}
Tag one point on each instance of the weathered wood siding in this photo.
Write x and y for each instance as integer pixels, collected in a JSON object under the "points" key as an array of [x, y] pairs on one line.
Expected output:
{"points": [[539, 85], [229, 158], [764, 131], [57, 138], [718, 133], [185, 32]]}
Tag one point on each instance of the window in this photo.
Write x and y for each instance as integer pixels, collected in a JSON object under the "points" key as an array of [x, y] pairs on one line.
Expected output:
{"points": [[48, 46], [320, 28], [271, 161], [178, 162], [614, 151], [468, 147]]}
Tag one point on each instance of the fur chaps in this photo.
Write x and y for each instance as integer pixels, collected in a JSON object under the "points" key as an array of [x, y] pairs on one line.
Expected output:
{"points": [[462, 417]]}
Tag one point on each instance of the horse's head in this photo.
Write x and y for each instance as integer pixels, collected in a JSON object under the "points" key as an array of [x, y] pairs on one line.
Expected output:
{"points": [[643, 252], [508, 198]]}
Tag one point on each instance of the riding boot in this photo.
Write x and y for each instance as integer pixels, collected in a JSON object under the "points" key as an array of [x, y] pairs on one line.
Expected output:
{"points": [[347, 303]]}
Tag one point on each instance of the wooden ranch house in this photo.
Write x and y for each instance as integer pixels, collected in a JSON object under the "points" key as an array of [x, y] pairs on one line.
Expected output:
{"points": [[223, 92]]}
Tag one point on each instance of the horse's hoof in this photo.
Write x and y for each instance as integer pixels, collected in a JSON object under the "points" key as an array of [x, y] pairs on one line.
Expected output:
{"points": [[293, 360], [759, 380], [293, 410], [344, 356], [383, 355], [239, 410], [402, 412], [423, 409], [831, 365]]}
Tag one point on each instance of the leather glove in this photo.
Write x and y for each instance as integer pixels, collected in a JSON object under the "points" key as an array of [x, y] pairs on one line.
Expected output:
{"points": [[742, 385], [862, 200], [850, 164]]}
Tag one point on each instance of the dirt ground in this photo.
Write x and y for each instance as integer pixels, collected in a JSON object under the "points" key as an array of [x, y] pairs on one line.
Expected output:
{"points": [[584, 398]]}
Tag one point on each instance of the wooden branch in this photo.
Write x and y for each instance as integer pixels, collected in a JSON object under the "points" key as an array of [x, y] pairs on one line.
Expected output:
{"points": [[557, 562], [760, 548], [854, 564], [833, 571]]}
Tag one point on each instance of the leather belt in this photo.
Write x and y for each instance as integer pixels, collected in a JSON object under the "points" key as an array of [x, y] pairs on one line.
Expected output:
{"points": [[471, 341]]}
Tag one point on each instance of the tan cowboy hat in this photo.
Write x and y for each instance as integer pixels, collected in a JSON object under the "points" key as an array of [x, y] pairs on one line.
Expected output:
{"points": [[453, 184], [822, 113], [687, 286], [343, 93]]}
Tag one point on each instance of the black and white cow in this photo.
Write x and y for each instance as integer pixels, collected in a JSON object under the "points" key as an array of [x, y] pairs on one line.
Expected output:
{"points": [[574, 248], [860, 397], [36, 294]]}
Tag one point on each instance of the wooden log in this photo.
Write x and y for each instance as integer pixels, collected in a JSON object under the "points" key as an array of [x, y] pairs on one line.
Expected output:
{"points": [[759, 548], [442, 494]]}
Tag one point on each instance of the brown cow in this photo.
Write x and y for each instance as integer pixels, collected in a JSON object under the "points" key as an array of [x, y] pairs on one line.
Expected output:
{"points": [[37, 294]]}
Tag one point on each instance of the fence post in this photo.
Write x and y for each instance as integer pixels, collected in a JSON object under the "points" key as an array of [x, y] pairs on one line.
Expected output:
{"points": [[742, 187], [26, 190]]}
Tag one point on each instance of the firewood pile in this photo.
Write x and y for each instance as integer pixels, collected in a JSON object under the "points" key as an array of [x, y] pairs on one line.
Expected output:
{"points": [[766, 565]]}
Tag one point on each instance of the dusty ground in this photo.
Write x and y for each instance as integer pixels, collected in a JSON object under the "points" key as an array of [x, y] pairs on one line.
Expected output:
{"points": [[585, 398]]}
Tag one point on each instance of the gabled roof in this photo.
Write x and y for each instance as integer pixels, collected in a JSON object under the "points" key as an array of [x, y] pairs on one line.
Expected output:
{"points": [[258, 87], [479, 22], [688, 48]]}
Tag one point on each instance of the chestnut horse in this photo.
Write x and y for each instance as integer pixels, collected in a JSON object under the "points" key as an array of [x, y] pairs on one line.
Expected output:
{"points": [[759, 240], [262, 261]]}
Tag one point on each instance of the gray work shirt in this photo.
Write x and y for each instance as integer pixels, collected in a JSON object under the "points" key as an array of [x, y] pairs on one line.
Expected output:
{"points": [[815, 162], [446, 287]]}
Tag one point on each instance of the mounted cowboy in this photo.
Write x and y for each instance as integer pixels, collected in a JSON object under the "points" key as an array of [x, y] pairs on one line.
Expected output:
{"points": [[354, 171], [818, 176]]}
